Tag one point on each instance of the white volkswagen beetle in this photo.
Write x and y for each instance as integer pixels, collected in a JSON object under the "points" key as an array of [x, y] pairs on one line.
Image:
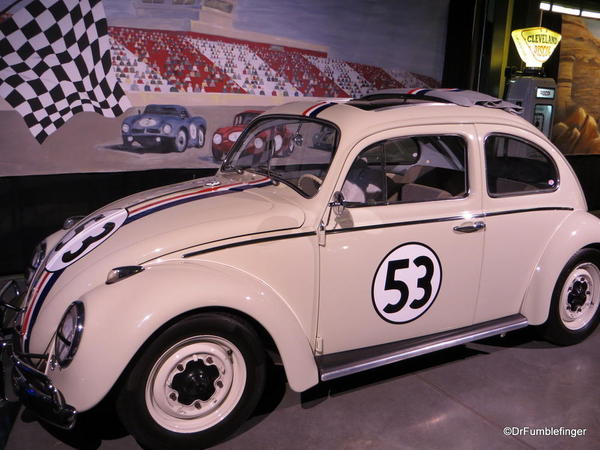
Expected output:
{"points": [[431, 221]]}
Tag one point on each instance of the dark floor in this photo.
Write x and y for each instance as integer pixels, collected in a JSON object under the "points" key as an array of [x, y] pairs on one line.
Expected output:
{"points": [[460, 398]]}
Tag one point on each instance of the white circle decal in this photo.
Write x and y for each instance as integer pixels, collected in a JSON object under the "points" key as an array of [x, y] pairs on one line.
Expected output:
{"points": [[406, 283], [83, 238]]}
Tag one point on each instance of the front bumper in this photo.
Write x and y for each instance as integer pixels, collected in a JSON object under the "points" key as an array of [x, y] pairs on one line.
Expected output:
{"points": [[22, 381], [147, 140]]}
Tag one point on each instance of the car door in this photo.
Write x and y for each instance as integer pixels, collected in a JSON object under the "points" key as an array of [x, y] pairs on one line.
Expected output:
{"points": [[402, 257], [524, 205]]}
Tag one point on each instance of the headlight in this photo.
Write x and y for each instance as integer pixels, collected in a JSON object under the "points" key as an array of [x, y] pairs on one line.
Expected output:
{"points": [[217, 139], [234, 136], [258, 143], [68, 334], [125, 128], [167, 128]]}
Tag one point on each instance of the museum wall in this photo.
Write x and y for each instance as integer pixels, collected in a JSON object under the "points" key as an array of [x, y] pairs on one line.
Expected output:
{"points": [[576, 120], [86, 88]]}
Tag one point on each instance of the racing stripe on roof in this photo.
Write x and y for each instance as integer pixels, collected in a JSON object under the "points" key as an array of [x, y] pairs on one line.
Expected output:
{"points": [[316, 109]]}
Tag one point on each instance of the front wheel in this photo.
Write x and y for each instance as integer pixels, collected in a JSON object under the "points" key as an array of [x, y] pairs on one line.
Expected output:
{"points": [[180, 142], [195, 384], [574, 312]]}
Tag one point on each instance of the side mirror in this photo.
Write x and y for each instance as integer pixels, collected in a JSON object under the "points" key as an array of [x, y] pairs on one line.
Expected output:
{"points": [[338, 204]]}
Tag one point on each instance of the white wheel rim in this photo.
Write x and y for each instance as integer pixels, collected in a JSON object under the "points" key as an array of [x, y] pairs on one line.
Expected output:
{"points": [[162, 401], [278, 142], [180, 140], [579, 297], [200, 137]]}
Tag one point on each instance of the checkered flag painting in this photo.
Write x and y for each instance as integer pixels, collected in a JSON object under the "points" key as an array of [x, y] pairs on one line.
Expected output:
{"points": [[55, 62]]}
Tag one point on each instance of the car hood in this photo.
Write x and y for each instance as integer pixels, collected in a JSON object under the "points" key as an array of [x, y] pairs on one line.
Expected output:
{"points": [[149, 120], [146, 226], [186, 214]]}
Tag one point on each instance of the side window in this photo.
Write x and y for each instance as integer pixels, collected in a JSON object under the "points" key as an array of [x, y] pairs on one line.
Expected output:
{"points": [[408, 169], [516, 167]]}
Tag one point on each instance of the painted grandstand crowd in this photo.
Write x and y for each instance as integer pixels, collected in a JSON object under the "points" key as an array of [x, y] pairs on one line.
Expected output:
{"points": [[175, 61]]}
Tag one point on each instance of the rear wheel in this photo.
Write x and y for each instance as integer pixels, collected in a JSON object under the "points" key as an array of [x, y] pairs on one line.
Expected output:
{"points": [[201, 136], [574, 312], [195, 384]]}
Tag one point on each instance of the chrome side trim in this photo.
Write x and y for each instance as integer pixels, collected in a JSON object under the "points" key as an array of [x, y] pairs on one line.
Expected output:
{"points": [[346, 363], [447, 219]]}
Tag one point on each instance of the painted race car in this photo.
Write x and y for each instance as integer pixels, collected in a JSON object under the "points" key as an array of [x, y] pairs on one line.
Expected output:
{"points": [[168, 126], [224, 138], [439, 218]]}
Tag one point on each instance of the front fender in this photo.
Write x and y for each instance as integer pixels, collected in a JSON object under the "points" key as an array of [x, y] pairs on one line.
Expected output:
{"points": [[121, 317], [579, 230]]}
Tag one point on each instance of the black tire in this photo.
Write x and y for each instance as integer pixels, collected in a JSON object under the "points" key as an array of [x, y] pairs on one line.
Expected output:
{"points": [[218, 155], [179, 142], [574, 311], [201, 137], [212, 349]]}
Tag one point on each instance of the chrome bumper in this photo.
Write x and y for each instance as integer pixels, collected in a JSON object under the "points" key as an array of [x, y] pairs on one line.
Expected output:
{"points": [[22, 381]]}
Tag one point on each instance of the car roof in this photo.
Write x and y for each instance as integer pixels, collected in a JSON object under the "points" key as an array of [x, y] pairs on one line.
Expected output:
{"points": [[391, 108], [158, 105]]}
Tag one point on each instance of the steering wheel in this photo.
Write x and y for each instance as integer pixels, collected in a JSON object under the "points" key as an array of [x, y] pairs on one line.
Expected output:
{"points": [[309, 183]]}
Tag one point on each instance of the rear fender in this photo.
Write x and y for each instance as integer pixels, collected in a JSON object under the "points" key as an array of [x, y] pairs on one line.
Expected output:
{"points": [[579, 230]]}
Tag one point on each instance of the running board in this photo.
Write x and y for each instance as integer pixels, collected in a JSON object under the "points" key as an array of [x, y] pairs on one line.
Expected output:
{"points": [[345, 363]]}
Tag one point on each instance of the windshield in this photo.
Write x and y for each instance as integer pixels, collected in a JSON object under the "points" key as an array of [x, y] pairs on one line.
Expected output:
{"points": [[164, 110], [285, 150], [244, 118]]}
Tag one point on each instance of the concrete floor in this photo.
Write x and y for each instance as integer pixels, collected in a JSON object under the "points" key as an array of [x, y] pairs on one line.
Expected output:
{"points": [[460, 398]]}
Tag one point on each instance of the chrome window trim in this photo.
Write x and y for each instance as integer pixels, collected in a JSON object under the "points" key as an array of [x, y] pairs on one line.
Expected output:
{"points": [[387, 203], [518, 194]]}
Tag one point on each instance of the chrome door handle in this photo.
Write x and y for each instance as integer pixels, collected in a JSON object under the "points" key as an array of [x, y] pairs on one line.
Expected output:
{"points": [[471, 228]]}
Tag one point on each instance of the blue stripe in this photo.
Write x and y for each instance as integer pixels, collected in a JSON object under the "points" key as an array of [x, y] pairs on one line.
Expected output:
{"points": [[51, 281], [191, 199], [320, 108]]}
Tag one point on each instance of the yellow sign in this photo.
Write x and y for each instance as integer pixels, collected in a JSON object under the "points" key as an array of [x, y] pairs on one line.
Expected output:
{"points": [[535, 45]]}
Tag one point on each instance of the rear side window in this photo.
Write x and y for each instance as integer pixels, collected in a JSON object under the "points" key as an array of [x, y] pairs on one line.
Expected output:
{"points": [[517, 167]]}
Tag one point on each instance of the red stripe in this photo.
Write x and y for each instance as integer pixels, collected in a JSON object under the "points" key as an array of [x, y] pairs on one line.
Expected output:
{"points": [[39, 287], [305, 113], [202, 191], [412, 91]]}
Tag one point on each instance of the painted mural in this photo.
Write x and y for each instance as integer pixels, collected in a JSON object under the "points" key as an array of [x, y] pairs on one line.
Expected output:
{"points": [[576, 122], [116, 85]]}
